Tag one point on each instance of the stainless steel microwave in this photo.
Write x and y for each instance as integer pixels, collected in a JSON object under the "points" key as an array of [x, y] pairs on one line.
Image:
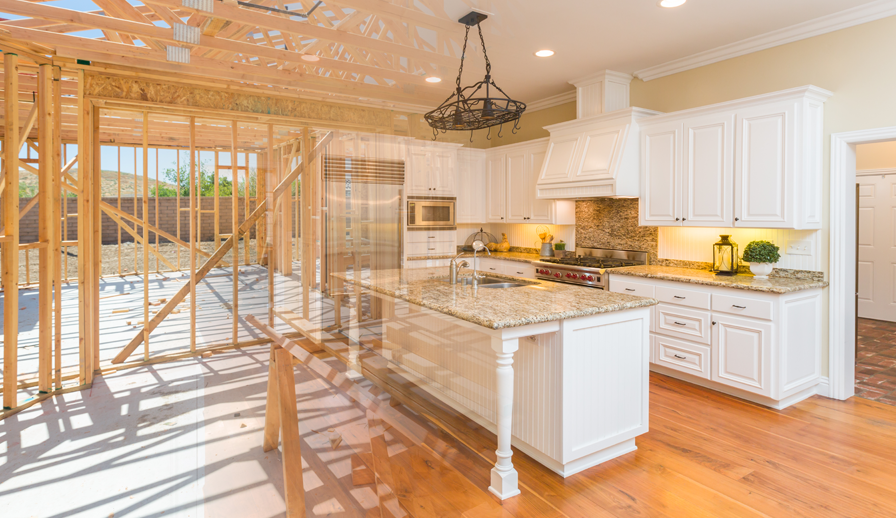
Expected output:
{"points": [[428, 212]]}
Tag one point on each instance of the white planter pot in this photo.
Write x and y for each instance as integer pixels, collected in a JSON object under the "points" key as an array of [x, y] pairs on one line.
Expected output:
{"points": [[761, 270]]}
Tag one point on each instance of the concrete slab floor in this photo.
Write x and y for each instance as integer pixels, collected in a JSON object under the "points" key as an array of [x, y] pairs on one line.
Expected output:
{"points": [[174, 439]]}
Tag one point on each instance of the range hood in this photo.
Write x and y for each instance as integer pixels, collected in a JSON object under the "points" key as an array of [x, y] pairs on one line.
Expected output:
{"points": [[598, 154]]}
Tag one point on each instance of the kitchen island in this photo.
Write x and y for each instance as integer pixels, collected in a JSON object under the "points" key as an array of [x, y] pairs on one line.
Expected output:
{"points": [[576, 394]]}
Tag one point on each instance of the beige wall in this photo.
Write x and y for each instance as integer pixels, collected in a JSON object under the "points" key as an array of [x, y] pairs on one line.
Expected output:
{"points": [[854, 63], [532, 124], [881, 155]]}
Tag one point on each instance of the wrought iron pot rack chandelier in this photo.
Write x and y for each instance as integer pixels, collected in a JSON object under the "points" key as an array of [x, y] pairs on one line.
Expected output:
{"points": [[476, 106]]}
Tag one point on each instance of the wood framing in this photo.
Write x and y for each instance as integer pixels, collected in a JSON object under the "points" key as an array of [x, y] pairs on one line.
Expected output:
{"points": [[10, 257]]}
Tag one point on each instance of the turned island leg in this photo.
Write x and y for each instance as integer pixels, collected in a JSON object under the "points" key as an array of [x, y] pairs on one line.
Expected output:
{"points": [[504, 483]]}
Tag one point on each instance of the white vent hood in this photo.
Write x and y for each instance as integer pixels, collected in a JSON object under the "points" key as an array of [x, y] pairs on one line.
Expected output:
{"points": [[598, 154]]}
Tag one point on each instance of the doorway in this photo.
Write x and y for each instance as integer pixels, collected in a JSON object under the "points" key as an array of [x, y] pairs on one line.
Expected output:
{"points": [[876, 272]]}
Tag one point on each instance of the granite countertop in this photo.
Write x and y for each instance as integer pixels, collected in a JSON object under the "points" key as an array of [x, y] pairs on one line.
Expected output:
{"points": [[520, 257], [707, 278], [538, 301]]}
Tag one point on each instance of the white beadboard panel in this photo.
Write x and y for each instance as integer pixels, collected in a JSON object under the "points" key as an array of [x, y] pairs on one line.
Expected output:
{"points": [[459, 363], [520, 234], [599, 383], [695, 244]]}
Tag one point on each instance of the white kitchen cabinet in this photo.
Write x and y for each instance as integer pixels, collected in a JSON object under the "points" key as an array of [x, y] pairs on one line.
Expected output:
{"points": [[706, 173], [661, 174], [431, 169], [741, 353], [495, 189], [488, 265], [763, 347], [753, 162], [471, 201], [512, 199]]}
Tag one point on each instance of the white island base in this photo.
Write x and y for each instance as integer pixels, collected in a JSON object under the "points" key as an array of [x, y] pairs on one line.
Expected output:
{"points": [[570, 393]]}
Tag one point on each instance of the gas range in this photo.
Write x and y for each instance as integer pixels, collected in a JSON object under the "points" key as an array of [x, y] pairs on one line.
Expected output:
{"points": [[588, 267]]}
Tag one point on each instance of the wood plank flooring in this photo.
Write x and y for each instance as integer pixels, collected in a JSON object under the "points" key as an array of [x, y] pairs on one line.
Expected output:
{"points": [[707, 454]]}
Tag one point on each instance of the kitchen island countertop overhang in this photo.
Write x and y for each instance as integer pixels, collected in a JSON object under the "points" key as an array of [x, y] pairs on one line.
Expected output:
{"points": [[559, 371]]}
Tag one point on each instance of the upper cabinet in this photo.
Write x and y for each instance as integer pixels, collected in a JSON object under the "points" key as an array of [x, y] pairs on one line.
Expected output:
{"points": [[471, 201], [753, 162], [593, 156], [512, 174], [431, 169]]}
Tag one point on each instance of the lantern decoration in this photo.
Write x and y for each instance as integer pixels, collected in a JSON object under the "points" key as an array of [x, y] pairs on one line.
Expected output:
{"points": [[724, 256]]}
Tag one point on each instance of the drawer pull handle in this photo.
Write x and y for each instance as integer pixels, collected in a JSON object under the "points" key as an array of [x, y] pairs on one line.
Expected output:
{"points": [[678, 297], [679, 324], [680, 357], [432, 248], [738, 307], [629, 289]]}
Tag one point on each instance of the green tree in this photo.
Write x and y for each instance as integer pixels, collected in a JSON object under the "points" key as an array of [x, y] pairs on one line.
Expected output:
{"points": [[175, 176]]}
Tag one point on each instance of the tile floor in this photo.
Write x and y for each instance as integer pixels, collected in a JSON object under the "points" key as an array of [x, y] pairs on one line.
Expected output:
{"points": [[876, 361]]}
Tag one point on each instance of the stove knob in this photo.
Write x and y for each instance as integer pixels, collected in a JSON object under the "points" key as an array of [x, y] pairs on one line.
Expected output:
{"points": [[544, 271], [589, 278], [568, 276], [557, 275], [574, 276]]}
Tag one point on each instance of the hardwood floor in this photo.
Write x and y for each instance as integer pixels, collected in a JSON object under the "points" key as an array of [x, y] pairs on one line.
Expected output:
{"points": [[876, 361], [707, 454]]}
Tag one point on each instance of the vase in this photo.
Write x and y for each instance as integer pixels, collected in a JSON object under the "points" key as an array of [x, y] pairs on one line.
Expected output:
{"points": [[761, 270]]}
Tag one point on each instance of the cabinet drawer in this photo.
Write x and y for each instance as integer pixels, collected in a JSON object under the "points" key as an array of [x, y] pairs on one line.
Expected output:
{"points": [[430, 236], [684, 323], [632, 288], [683, 297], [517, 269], [490, 265], [742, 306], [436, 248], [683, 356]]}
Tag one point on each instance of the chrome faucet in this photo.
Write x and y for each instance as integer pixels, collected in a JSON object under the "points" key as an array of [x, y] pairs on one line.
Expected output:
{"points": [[455, 268], [477, 246]]}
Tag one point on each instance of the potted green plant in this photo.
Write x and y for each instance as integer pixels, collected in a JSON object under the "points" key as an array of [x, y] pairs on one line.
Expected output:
{"points": [[762, 256]]}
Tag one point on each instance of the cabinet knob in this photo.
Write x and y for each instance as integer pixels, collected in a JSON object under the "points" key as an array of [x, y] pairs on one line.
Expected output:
{"points": [[677, 219], [736, 219], [713, 322], [684, 219]]}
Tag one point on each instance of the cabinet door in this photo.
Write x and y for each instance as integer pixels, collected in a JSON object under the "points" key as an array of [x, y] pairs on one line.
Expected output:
{"points": [[708, 171], [442, 174], [470, 187], [418, 171], [764, 168], [741, 353], [495, 189], [542, 211], [518, 196], [660, 174]]}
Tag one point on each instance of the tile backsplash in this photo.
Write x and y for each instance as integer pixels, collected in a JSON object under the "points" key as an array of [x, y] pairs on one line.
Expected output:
{"points": [[613, 223]]}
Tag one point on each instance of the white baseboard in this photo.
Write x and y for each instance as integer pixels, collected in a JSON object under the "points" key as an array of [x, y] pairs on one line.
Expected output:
{"points": [[824, 387]]}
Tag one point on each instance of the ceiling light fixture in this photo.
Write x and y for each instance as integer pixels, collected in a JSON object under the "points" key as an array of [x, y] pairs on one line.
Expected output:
{"points": [[470, 108], [433, 79], [671, 3], [544, 53], [310, 57]]}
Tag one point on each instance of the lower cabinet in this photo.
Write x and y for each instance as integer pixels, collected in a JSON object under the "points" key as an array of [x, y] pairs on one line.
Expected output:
{"points": [[742, 349], [759, 346], [506, 267]]}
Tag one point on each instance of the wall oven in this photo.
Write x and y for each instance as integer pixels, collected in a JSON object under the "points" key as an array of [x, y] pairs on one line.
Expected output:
{"points": [[429, 213]]}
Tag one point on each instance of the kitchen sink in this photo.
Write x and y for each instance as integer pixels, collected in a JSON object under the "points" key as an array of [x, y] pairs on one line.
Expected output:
{"points": [[489, 282]]}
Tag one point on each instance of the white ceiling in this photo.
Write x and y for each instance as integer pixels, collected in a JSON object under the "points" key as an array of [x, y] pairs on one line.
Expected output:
{"points": [[624, 35]]}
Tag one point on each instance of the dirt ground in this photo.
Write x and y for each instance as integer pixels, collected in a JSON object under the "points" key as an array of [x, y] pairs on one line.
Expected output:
{"points": [[129, 260]]}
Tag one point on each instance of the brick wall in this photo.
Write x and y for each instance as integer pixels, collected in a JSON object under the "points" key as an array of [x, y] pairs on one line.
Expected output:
{"points": [[168, 214]]}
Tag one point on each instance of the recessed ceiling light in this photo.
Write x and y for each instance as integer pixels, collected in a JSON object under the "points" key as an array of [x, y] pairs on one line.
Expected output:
{"points": [[433, 79], [310, 57], [544, 53], [671, 3]]}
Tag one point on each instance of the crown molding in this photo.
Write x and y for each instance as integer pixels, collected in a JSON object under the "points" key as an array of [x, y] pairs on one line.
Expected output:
{"points": [[833, 22], [550, 102]]}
